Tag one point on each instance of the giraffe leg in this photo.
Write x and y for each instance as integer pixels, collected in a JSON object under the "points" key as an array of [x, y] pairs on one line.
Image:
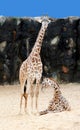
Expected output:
{"points": [[21, 103], [30, 88], [26, 97], [36, 98], [23, 93], [32, 95]]}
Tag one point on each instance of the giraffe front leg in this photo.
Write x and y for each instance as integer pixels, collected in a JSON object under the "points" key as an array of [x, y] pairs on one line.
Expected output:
{"points": [[31, 95], [36, 99]]}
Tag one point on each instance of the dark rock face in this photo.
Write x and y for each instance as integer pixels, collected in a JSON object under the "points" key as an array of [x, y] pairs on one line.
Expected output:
{"points": [[60, 51]]}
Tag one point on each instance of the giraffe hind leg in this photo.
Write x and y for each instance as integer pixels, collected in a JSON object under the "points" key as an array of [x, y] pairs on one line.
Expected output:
{"points": [[25, 86], [25, 96], [21, 102]]}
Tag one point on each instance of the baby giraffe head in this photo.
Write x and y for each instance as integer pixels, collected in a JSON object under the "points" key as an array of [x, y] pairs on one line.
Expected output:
{"points": [[50, 82], [45, 83]]}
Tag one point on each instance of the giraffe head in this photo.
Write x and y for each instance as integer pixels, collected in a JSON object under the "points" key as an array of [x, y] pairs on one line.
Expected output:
{"points": [[50, 82], [45, 21], [45, 83]]}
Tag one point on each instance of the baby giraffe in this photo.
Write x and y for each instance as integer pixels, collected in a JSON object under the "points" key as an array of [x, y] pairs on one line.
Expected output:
{"points": [[58, 102]]}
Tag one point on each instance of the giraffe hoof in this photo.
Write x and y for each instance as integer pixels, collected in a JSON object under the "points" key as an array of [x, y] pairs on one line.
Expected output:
{"points": [[20, 113], [26, 112]]}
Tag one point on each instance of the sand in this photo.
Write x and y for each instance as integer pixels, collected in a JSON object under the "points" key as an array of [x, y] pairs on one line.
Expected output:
{"points": [[10, 119]]}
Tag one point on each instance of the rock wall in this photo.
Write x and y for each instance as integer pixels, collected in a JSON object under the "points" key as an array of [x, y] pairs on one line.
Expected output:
{"points": [[60, 49]]}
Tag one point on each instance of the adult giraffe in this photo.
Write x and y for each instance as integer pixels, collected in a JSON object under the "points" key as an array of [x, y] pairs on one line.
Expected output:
{"points": [[31, 69]]}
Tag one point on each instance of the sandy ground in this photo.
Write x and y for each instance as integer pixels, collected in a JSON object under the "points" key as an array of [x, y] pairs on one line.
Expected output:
{"points": [[11, 120]]}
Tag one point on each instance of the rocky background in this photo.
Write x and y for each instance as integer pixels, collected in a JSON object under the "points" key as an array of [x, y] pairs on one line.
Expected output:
{"points": [[60, 49]]}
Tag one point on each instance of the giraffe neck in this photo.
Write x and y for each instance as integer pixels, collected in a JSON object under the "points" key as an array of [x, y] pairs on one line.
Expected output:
{"points": [[57, 93], [37, 47]]}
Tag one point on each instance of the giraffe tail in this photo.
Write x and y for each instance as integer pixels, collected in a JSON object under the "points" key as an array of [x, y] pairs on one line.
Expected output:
{"points": [[43, 112]]}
